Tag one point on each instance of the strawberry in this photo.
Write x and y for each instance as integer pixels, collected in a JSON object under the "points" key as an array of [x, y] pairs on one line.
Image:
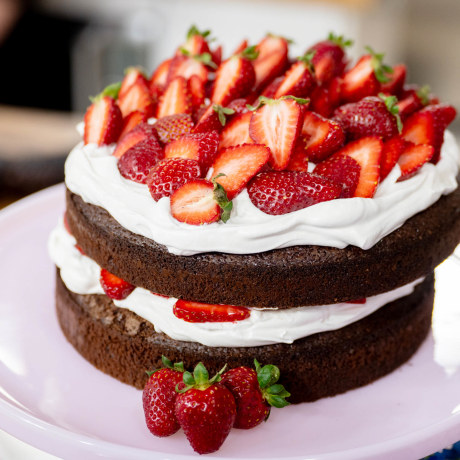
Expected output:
{"points": [[137, 97], [237, 165], [216, 56], [329, 59], [235, 78], [137, 134], [255, 391], [326, 98], [196, 42], [160, 76], [172, 127], [271, 61], [136, 163], [276, 123], [197, 92], [392, 150], [299, 159], [201, 147], [205, 410], [132, 120], [299, 80], [365, 78], [132, 75], [236, 132], [66, 223], [198, 312], [281, 192], [213, 118], [159, 398], [103, 121], [413, 158], [371, 116], [412, 99], [239, 105], [319, 137], [271, 89], [200, 202], [114, 287], [169, 174], [343, 170], [241, 47], [175, 99], [185, 65], [396, 80]]}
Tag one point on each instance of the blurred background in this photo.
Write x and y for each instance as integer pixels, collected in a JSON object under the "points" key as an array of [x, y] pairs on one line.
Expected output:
{"points": [[54, 53]]}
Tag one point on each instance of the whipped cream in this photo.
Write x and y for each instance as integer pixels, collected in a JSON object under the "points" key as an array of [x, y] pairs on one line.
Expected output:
{"points": [[92, 173], [81, 275]]}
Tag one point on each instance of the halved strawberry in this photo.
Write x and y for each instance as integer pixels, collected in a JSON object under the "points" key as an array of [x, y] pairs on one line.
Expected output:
{"points": [[198, 312], [137, 134], [169, 174], [237, 165], [326, 98], [137, 97], [413, 158], [194, 203], [213, 118], [277, 124], [241, 47], [103, 121], [132, 120], [160, 76], [201, 147], [132, 75], [299, 79], [319, 137], [299, 159], [196, 42], [392, 150], [175, 99], [271, 89], [115, 287], [396, 80], [412, 99], [282, 192], [172, 127], [186, 66], [197, 92], [236, 131], [271, 61]]}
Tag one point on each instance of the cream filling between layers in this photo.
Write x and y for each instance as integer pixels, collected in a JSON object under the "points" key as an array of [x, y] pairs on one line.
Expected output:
{"points": [[81, 275]]}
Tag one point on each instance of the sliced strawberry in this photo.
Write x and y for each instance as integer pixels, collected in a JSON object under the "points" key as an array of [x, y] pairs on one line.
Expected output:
{"points": [[198, 312], [299, 80], [201, 147], [277, 124], [170, 174], [241, 47], [132, 75], [443, 114], [175, 99], [281, 192], [396, 80], [114, 287], [197, 92], [186, 66], [194, 203], [213, 118], [132, 120], [320, 137], [343, 170], [196, 42], [172, 127], [271, 89], [326, 98], [137, 134], [413, 158], [299, 159], [103, 122], [392, 150], [412, 99], [238, 165], [160, 76], [136, 163], [137, 97], [236, 131], [271, 61], [216, 56]]}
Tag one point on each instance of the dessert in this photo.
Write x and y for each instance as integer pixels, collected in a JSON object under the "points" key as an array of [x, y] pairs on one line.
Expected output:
{"points": [[291, 211]]}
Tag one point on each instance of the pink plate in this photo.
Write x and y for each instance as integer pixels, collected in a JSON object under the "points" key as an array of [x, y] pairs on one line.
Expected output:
{"points": [[52, 399]]}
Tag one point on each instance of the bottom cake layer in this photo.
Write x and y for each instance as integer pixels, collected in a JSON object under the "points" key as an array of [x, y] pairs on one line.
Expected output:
{"points": [[123, 345]]}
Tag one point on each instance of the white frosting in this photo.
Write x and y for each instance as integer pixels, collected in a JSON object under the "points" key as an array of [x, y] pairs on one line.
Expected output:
{"points": [[81, 275], [92, 173]]}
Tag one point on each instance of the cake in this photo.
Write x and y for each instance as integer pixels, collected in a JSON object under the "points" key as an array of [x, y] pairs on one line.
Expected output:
{"points": [[288, 210]]}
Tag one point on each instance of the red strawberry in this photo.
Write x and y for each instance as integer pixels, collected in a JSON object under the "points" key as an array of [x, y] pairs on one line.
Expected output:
{"points": [[413, 158], [235, 78], [271, 61], [255, 391], [136, 163], [281, 192], [343, 170], [396, 80], [198, 312], [197, 92], [196, 42], [169, 174], [132, 120], [241, 47], [392, 150], [319, 137], [201, 147], [160, 76], [236, 132], [213, 118], [205, 410], [103, 121], [298, 160], [175, 99], [277, 124], [185, 66], [137, 134], [159, 398], [271, 89], [372, 115], [325, 99], [238, 165], [412, 99], [132, 75], [216, 56], [66, 223], [172, 127], [137, 97], [299, 80], [239, 105], [195, 203], [115, 288]]}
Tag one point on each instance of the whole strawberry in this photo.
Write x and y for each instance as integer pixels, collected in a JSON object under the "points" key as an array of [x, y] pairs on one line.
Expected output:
{"points": [[255, 391], [205, 410], [159, 397]]}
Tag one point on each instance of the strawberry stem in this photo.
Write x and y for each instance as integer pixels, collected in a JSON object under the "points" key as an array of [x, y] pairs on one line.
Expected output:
{"points": [[200, 378], [250, 53], [423, 94], [339, 40], [381, 70], [222, 113], [307, 59], [391, 103], [273, 392], [195, 31], [167, 363], [111, 90], [220, 195]]}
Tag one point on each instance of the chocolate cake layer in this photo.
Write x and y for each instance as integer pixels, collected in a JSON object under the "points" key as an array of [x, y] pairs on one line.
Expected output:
{"points": [[294, 276], [120, 343]]}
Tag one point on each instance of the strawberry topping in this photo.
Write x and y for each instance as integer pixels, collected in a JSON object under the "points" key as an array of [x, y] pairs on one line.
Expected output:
{"points": [[172, 127], [114, 287], [198, 312]]}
